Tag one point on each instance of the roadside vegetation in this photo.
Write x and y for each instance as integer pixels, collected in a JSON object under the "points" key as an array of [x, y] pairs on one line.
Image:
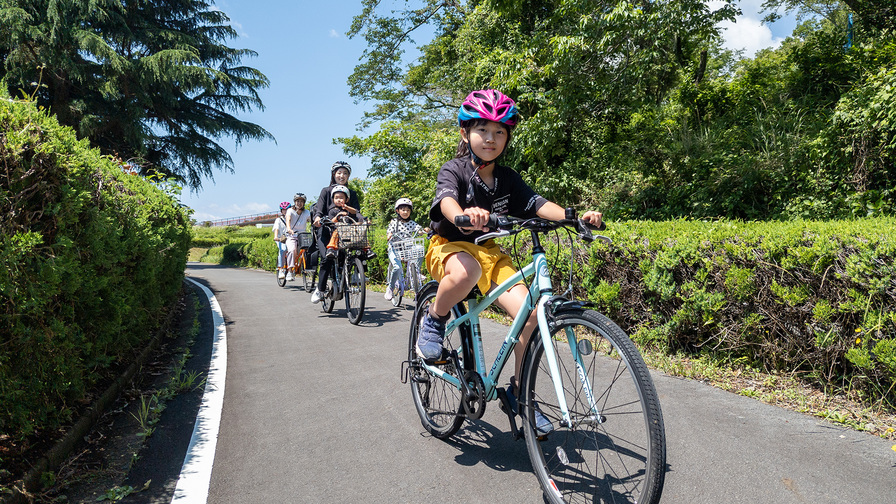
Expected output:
{"points": [[92, 259]]}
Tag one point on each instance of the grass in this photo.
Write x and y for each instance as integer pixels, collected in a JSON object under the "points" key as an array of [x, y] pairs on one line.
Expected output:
{"points": [[842, 407], [195, 254]]}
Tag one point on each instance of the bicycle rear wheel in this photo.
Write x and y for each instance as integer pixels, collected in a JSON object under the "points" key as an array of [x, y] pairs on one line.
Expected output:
{"points": [[439, 403], [613, 451], [309, 275], [355, 289]]}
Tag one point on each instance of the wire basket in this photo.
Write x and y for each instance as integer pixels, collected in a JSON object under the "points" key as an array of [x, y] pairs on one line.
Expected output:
{"points": [[409, 249], [305, 240], [352, 236]]}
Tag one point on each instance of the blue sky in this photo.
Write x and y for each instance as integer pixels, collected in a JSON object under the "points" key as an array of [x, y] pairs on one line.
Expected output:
{"points": [[303, 50]]}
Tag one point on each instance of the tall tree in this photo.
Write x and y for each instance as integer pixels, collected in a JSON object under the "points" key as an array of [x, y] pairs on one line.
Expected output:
{"points": [[147, 79], [576, 68]]}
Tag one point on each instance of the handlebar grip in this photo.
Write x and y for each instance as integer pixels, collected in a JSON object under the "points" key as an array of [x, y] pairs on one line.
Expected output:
{"points": [[464, 221]]}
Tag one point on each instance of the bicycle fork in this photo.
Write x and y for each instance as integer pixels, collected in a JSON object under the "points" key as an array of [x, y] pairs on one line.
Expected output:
{"points": [[551, 356]]}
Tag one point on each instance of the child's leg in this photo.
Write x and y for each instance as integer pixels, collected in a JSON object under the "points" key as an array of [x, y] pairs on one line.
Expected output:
{"points": [[334, 240], [511, 301], [281, 252], [462, 271], [291, 253], [396, 268]]}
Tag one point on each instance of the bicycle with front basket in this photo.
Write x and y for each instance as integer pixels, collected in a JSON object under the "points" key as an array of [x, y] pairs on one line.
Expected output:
{"points": [[588, 378], [408, 251], [347, 278], [301, 266]]}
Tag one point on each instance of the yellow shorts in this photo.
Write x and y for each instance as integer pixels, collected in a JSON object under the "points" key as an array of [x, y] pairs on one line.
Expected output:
{"points": [[496, 265]]}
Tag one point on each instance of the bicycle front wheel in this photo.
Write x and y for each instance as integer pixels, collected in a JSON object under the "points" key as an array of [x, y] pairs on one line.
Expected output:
{"points": [[614, 448], [281, 281], [355, 289], [438, 402], [328, 301], [413, 276]]}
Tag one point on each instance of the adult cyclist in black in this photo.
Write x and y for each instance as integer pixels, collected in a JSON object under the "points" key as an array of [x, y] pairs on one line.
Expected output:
{"points": [[339, 174]]}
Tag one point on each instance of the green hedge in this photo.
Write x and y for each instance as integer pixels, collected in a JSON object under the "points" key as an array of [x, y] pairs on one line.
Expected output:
{"points": [[90, 258], [816, 298]]}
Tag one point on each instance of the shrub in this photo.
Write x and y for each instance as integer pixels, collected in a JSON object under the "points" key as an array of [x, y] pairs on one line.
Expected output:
{"points": [[788, 296], [90, 258]]}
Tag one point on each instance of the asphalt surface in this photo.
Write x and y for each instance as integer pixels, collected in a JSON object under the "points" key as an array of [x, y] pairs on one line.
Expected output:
{"points": [[314, 411]]}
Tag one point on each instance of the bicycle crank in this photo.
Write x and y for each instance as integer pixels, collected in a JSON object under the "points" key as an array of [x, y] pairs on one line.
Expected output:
{"points": [[474, 395]]}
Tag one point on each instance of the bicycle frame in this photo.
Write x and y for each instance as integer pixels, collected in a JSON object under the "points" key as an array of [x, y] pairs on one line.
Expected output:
{"points": [[540, 292]]}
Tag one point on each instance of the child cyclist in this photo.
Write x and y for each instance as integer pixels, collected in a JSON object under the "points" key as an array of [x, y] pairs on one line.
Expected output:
{"points": [[297, 222], [401, 228], [281, 230], [473, 184]]}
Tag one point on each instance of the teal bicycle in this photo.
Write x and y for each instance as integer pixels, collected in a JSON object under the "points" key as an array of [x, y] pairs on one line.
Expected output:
{"points": [[582, 370]]}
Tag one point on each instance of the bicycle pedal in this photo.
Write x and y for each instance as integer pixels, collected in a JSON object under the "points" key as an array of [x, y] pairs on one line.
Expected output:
{"points": [[504, 404]]}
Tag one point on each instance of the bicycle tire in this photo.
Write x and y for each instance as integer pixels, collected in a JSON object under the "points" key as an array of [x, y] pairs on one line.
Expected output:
{"points": [[613, 454], [438, 403], [309, 276], [328, 301], [355, 289], [280, 281], [413, 276], [397, 291]]}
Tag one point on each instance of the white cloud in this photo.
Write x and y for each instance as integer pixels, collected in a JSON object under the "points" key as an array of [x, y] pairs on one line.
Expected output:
{"points": [[747, 33], [334, 33]]}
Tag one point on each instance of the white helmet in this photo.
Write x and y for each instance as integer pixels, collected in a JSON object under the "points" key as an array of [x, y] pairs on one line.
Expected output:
{"points": [[404, 201], [341, 164], [339, 188]]}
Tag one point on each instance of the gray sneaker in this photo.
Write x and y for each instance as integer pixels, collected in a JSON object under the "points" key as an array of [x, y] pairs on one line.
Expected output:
{"points": [[543, 426], [429, 341], [316, 295]]}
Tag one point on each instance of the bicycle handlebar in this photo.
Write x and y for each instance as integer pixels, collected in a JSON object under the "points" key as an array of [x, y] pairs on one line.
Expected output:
{"points": [[504, 225]]}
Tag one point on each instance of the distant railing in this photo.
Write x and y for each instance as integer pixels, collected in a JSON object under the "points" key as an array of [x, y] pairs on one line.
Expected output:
{"points": [[242, 221]]}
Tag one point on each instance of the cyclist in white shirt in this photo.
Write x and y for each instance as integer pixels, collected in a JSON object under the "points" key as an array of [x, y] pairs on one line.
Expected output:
{"points": [[297, 219], [280, 233]]}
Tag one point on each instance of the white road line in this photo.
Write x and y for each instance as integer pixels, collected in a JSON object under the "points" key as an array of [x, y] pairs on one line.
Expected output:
{"points": [[192, 485]]}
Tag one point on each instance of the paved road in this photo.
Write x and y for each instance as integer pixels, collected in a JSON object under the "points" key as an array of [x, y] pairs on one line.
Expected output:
{"points": [[314, 412]]}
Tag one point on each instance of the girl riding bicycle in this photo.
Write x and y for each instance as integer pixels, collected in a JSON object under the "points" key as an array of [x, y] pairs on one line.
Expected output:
{"points": [[281, 231], [473, 184], [401, 228]]}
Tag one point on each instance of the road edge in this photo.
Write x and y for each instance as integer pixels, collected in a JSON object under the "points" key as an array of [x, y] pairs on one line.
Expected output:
{"points": [[196, 472]]}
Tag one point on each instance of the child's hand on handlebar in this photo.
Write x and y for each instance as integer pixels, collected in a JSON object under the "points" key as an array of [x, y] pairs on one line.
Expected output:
{"points": [[593, 218], [478, 219]]}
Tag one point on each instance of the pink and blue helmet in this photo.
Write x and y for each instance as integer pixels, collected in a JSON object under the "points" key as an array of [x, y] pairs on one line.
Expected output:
{"points": [[285, 205], [489, 104]]}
